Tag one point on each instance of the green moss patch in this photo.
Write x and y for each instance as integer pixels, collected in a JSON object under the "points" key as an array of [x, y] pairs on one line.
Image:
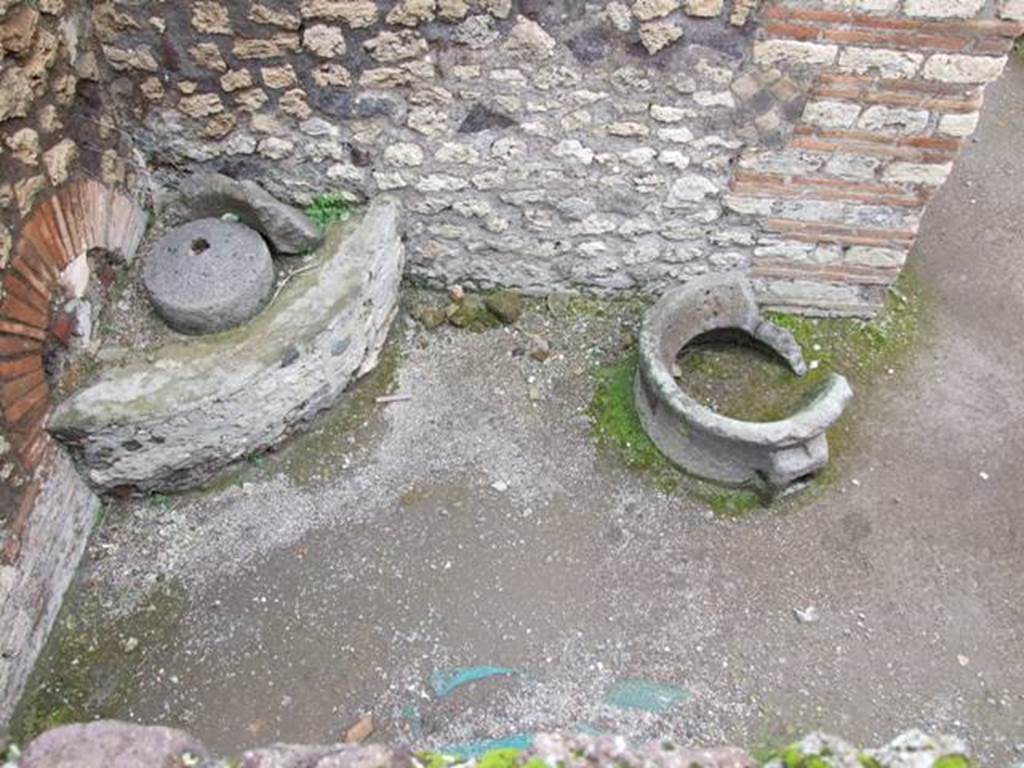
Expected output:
{"points": [[91, 662], [618, 429], [752, 385], [746, 382]]}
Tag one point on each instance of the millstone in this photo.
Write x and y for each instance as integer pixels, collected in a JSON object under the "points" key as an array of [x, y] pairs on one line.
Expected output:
{"points": [[208, 275]]}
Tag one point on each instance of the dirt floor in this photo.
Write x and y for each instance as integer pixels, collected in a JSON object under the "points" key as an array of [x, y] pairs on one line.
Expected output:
{"points": [[477, 530]]}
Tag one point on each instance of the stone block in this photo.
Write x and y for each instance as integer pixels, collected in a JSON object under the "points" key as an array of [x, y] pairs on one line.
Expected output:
{"points": [[960, 68], [770, 52]]}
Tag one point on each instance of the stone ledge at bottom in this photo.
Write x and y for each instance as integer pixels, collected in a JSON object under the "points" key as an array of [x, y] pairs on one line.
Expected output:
{"points": [[113, 744]]}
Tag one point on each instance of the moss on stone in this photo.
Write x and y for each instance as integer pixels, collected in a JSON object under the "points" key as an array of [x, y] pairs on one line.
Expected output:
{"points": [[864, 351], [617, 424], [953, 761], [471, 313], [507, 306], [752, 384], [82, 673]]}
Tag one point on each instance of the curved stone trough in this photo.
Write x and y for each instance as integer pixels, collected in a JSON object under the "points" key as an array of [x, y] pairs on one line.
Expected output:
{"points": [[768, 455], [170, 419]]}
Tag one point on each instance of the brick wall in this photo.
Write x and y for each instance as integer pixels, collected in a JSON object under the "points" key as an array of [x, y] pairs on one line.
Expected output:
{"points": [[895, 89]]}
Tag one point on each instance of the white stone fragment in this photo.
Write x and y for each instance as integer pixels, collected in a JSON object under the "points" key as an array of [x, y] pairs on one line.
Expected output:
{"points": [[959, 124], [960, 68], [943, 9], [770, 52], [831, 114], [929, 174]]}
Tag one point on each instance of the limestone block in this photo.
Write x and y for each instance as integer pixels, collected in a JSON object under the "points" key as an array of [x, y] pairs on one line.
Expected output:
{"points": [[16, 93], [690, 188], [236, 80], [646, 10], [294, 102], [282, 76], [207, 56], [703, 8], [958, 125], [266, 47], [959, 68], [201, 105], [656, 35], [403, 154], [210, 17], [59, 159], [18, 30], [389, 47], [943, 9], [893, 119], [122, 59], [277, 17], [324, 41], [24, 145], [410, 13], [831, 114], [928, 174], [768, 52], [887, 63], [1011, 9], [529, 41]]}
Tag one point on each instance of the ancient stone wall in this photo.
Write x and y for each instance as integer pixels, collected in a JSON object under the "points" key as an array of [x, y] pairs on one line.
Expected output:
{"points": [[53, 124], [595, 145]]}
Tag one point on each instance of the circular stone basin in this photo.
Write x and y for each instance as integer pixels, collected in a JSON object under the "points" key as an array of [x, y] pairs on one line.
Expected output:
{"points": [[769, 455], [208, 275]]}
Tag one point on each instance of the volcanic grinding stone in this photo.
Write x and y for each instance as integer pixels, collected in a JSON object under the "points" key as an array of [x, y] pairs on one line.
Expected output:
{"points": [[208, 275]]}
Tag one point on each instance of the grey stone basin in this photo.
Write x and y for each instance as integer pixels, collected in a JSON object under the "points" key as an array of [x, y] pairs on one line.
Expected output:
{"points": [[770, 456], [172, 418]]}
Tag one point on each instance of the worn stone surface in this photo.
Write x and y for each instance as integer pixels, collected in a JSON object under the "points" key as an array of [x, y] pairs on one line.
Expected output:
{"points": [[111, 744], [288, 229], [178, 416], [31, 589], [208, 275], [769, 456]]}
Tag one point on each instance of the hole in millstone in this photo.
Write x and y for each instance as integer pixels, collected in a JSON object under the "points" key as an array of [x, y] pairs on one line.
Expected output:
{"points": [[200, 245]]}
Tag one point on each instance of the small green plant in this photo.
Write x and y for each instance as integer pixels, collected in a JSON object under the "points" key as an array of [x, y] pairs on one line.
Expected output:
{"points": [[161, 501], [329, 208], [1018, 47], [500, 758]]}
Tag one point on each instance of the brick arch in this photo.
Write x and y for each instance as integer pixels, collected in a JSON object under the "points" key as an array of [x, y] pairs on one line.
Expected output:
{"points": [[81, 215]]}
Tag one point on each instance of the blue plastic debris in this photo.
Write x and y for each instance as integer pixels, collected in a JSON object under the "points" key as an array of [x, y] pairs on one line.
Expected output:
{"points": [[477, 748], [645, 695], [445, 683]]}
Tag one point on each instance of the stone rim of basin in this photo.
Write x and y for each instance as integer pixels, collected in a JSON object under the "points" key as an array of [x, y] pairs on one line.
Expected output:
{"points": [[773, 454]]}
